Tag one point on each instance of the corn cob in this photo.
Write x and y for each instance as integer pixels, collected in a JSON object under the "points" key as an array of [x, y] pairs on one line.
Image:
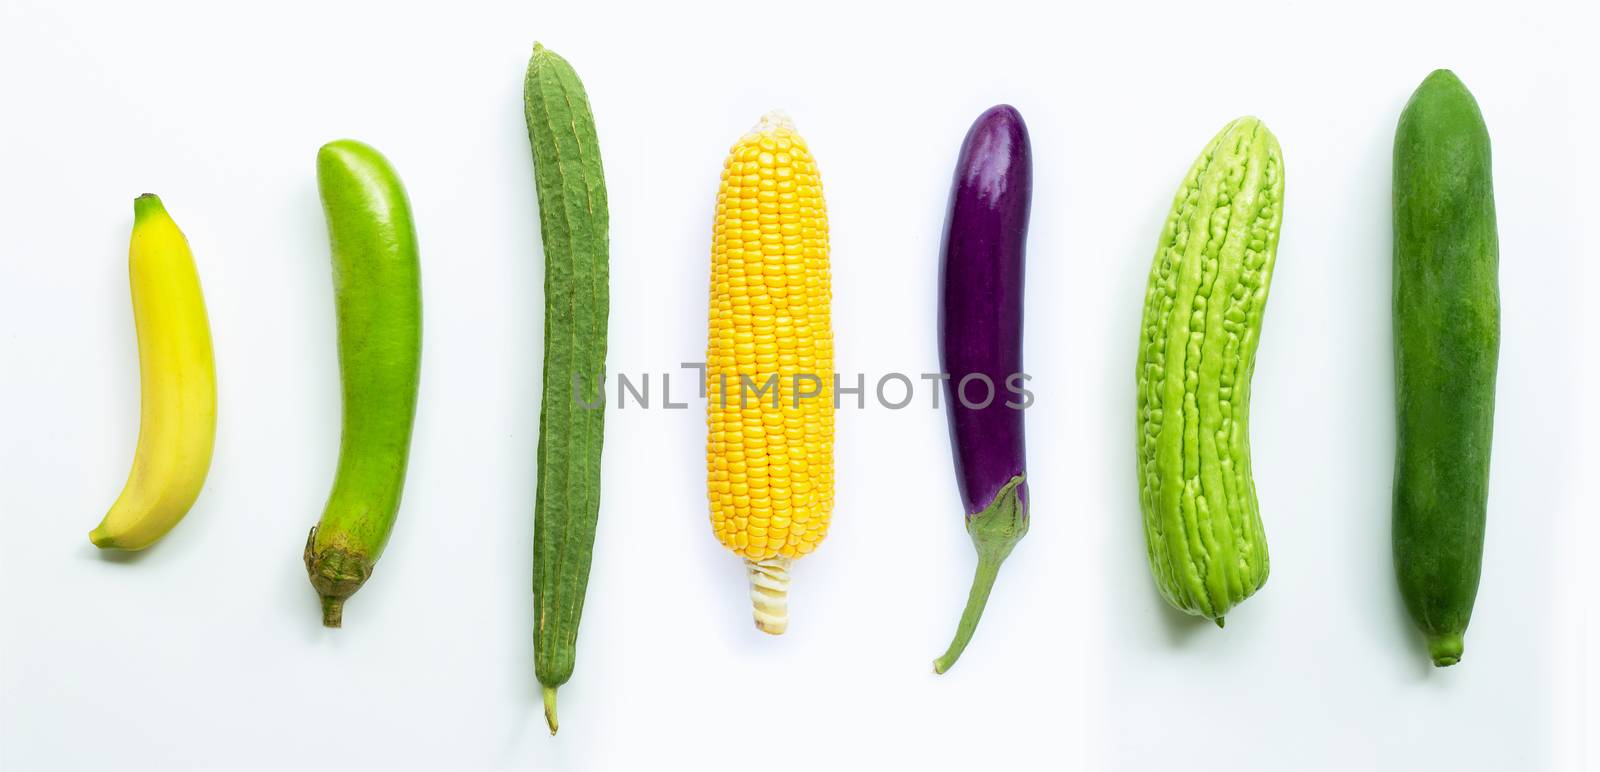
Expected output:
{"points": [[769, 458]]}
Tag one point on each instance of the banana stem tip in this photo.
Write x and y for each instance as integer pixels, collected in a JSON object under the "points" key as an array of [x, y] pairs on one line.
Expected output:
{"points": [[145, 205]]}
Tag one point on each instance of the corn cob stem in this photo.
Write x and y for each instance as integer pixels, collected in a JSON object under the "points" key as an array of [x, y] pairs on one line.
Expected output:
{"points": [[769, 593]]}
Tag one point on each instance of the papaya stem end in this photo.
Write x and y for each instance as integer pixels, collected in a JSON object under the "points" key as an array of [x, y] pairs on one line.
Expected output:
{"points": [[1445, 649]]}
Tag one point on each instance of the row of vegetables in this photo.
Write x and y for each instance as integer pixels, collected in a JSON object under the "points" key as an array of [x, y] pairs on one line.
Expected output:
{"points": [[770, 460]]}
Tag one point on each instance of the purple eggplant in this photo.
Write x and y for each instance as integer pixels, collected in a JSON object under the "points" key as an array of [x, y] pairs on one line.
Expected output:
{"points": [[980, 345]]}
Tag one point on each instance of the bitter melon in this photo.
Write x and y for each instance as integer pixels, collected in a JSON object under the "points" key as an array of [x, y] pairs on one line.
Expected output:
{"points": [[1202, 321]]}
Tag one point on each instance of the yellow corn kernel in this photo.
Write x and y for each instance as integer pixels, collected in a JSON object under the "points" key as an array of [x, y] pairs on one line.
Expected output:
{"points": [[770, 469]]}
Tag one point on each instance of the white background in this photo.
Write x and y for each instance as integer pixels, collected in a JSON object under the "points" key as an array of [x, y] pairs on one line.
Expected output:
{"points": [[206, 652]]}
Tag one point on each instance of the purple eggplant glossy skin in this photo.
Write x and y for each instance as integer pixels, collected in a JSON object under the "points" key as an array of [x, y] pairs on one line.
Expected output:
{"points": [[980, 320], [980, 333]]}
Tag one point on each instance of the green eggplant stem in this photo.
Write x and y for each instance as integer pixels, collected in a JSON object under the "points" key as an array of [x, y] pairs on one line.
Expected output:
{"points": [[995, 532], [336, 574], [332, 611], [982, 583], [550, 709]]}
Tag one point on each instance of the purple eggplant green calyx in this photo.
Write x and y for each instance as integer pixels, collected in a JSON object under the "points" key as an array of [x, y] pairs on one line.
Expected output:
{"points": [[980, 345]]}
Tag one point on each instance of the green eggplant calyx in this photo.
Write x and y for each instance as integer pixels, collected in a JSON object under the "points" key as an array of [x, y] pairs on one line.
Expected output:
{"points": [[336, 575], [1445, 649], [995, 532], [998, 528]]}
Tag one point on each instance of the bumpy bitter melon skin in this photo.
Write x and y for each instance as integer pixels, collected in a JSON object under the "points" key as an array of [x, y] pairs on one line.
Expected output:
{"points": [[1446, 354], [1202, 321]]}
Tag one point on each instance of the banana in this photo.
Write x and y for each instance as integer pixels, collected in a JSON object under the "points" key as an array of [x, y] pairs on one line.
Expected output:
{"points": [[178, 385]]}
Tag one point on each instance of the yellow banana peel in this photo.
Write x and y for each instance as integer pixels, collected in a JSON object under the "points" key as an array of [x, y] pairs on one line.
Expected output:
{"points": [[178, 385]]}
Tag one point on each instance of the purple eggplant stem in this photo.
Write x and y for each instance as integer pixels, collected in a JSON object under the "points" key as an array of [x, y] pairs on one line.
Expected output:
{"points": [[980, 344]]}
